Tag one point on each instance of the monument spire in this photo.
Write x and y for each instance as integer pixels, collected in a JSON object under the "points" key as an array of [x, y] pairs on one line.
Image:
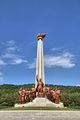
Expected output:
{"points": [[40, 59]]}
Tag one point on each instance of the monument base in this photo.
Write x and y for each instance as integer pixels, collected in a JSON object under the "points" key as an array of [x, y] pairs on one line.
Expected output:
{"points": [[40, 102]]}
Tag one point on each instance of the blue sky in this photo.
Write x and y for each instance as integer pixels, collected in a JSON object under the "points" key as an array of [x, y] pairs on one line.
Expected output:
{"points": [[20, 21]]}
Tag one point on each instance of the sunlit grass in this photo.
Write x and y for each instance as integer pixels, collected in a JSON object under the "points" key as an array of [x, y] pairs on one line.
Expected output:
{"points": [[38, 108]]}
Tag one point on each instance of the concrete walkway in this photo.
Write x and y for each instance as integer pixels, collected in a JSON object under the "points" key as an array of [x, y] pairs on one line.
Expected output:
{"points": [[39, 115]]}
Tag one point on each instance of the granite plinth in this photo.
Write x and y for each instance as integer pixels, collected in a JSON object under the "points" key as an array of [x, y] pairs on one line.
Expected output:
{"points": [[44, 102]]}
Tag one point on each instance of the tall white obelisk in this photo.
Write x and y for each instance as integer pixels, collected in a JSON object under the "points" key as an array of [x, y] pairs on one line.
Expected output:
{"points": [[40, 59]]}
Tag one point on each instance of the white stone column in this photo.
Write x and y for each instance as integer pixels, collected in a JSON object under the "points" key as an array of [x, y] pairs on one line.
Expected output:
{"points": [[40, 59]]}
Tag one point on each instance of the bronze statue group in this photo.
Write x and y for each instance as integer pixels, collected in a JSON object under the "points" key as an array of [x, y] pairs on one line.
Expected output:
{"points": [[29, 94]]}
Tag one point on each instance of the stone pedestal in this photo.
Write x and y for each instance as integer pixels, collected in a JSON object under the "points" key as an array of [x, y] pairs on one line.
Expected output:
{"points": [[40, 102]]}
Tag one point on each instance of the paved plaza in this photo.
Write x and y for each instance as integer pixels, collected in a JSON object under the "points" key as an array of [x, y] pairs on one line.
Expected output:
{"points": [[39, 115]]}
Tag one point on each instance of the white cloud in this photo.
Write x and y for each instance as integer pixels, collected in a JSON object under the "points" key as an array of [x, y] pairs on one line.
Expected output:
{"points": [[78, 85], [11, 55], [18, 61], [13, 59], [11, 42], [57, 49], [65, 60], [2, 62], [11, 49], [11, 46], [32, 65]]}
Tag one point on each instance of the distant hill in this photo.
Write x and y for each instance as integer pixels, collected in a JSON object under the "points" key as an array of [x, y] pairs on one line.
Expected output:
{"points": [[9, 94]]}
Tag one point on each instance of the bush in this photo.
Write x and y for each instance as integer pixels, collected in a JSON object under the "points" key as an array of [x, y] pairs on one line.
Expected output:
{"points": [[9, 94], [72, 99]]}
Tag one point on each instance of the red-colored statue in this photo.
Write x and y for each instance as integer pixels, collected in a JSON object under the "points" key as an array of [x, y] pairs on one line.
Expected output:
{"points": [[40, 86], [27, 95], [22, 95], [57, 95], [32, 93]]}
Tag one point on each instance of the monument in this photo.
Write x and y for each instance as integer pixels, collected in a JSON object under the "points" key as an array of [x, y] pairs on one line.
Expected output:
{"points": [[39, 94]]}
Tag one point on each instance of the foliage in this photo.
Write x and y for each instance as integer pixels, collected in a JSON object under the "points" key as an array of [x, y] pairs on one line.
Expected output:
{"points": [[9, 94]]}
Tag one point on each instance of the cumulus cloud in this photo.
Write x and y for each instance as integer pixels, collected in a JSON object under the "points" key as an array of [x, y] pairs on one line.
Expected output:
{"points": [[64, 60], [18, 61], [11, 55]]}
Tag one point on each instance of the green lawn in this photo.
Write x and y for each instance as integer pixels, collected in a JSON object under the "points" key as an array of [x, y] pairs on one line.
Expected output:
{"points": [[38, 108]]}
